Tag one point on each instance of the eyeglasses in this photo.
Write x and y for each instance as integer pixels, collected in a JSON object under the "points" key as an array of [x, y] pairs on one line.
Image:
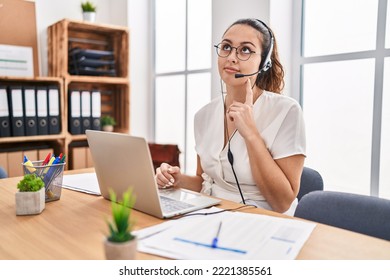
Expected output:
{"points": [[243, 53]]}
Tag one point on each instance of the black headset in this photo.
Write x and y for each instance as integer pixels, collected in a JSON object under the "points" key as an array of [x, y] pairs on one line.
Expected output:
{"points": [[266, 62]]}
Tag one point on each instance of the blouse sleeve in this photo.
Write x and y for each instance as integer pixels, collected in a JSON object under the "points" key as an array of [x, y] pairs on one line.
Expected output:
{"points": [[291, 137]]}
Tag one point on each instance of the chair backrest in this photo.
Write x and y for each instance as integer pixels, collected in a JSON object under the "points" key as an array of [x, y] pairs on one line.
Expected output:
{"points": [[311, 180], [3, 173], [360, 213], [168, 153]]}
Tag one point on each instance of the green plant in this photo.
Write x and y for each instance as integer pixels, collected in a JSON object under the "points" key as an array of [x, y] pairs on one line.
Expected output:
{"points": [[121, 226], [30, 183], [107, 120], [88, 7]]}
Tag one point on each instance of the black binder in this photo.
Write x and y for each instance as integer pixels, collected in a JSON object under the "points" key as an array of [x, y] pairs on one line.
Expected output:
{"points": [[74, 126], [96, 109], [5, 126], [30, 111], [85, 111], [16, 110], [42, 112], [53, 95]]}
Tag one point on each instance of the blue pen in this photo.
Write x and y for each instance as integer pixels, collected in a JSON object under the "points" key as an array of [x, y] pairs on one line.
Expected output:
{"points": [[215, 240], [49, 174]]}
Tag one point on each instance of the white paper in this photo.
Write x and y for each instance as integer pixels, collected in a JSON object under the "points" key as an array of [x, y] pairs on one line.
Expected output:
{"points": [[85, 182], [16, 61], [242, 236]]}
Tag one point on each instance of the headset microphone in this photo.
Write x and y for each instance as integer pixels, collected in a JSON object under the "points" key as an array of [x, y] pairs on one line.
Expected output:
{"points": [[265, 68], [247, 75]]}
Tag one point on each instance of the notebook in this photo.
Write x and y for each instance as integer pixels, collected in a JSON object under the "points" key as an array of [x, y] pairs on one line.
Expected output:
{"points": [[122, 161]]}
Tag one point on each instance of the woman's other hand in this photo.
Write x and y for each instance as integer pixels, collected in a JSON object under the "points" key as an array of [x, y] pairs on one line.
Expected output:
{"points": [[167, 175]]}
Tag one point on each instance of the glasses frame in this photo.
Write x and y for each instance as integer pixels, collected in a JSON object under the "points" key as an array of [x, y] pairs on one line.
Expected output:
{"points": [[217, 47]]}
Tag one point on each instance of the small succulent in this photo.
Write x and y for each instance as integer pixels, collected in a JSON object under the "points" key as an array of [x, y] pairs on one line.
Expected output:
{"points": [[88, 6], [107, 120], [122, 225], [30, 183]]}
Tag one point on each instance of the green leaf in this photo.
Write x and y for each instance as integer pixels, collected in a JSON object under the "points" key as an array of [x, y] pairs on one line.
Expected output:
{"points": [[88, 7], [30, 183], [121, 226]]}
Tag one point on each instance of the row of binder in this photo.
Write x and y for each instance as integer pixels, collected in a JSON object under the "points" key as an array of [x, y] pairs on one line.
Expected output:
{"points": [[84, 111], [29, 110]]}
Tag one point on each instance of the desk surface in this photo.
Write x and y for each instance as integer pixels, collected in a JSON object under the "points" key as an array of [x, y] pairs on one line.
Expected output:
{"points": [[74, 227]]}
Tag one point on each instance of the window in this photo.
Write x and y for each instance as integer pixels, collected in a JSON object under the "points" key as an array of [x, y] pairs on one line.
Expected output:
{"points": [[342, 69], [338, 116], [384, 180], [182, 81], [333, 26]]}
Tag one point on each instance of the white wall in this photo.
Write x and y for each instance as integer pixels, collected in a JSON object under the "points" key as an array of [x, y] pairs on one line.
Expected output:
{"points": [[281, 16], [141, 103]]}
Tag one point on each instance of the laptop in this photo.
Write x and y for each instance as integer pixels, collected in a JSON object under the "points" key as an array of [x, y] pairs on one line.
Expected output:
{"points": [[122, 161]]}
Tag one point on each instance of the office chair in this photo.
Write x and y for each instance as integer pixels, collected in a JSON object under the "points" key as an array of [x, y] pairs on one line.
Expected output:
{"points": [[311, 180], [3, 174], [360, 213]]}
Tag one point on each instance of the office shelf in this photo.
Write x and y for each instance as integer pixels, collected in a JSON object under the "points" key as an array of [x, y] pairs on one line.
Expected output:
{"points": [[12, 149], [37, 81], [67, 35]]}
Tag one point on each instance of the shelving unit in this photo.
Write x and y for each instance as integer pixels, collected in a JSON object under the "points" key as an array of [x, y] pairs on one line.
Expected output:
{"points": [[66, 35], [13, 148]]}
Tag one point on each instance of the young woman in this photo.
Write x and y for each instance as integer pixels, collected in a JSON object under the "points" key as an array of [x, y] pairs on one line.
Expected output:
{"points": [[250, 141]]}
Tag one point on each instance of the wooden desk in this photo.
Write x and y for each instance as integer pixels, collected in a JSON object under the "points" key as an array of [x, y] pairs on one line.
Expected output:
{"points": [[74, 228]]}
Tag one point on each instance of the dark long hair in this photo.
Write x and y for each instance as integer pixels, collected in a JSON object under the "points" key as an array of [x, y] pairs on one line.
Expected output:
{"points": [[273, 79]]}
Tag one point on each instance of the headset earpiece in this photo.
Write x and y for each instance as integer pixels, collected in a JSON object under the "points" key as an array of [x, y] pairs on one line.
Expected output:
{"points": [[266, 62]]}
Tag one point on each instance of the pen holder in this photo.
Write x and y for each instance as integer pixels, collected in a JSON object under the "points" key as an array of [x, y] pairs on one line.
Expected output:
{"points": [[51, 175]]}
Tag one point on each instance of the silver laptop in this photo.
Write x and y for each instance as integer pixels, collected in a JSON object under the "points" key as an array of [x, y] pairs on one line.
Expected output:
{"points": [[122, 161]]}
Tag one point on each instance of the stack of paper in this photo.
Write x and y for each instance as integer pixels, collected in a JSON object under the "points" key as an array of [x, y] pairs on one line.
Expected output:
{"points": [[85, 182], [239, 236]]}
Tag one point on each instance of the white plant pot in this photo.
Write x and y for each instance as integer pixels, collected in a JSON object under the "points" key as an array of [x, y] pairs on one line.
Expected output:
{"points": [[120, 251], [108, 128], [30, 203], [89, 16]]}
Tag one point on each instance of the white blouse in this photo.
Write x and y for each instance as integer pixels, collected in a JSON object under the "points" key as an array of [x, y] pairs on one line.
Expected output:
{"points": [[279, 120]]}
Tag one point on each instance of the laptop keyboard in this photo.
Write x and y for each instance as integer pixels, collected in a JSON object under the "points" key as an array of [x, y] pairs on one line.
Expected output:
{"points": [[171, 205]]}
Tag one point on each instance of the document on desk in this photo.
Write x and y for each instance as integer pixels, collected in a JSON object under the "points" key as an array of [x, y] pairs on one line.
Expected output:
{"points": [[85, 182], [227, 235]]}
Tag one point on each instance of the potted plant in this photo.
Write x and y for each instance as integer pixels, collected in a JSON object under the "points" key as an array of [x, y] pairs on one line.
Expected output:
{"points": [[121, 244], [30, 199], [107, 123], [89, 11]]}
